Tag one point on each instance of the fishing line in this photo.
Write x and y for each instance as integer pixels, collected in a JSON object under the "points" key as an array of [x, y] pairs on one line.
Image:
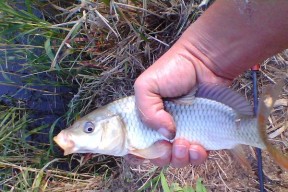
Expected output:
{"points": [[254, 70]]}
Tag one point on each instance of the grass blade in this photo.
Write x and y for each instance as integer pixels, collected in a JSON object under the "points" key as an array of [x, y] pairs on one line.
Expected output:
{"points": [[48, 49], [164, 183], [199, 186]]}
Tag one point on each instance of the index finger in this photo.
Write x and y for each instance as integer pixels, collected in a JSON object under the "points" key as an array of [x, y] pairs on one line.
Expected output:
{"points": [[151, 107]]}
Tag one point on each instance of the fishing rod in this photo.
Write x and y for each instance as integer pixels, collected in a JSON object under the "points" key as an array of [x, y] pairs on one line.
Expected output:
{"points": [[255, 70]]}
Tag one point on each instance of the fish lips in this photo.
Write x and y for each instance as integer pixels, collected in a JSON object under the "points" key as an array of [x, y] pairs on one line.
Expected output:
{"points": [[66, 144]]}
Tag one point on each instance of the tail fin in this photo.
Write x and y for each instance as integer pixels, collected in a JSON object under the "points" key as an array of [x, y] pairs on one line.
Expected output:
{"points": [[265, 107]]}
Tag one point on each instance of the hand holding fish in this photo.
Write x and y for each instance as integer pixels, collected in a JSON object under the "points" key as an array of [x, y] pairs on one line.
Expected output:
{"points": [[203, 55], [213, 50], [169, 77]]}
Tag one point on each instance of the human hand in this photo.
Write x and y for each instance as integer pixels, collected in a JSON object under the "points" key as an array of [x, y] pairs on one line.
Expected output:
{"points": [[175, 74]]}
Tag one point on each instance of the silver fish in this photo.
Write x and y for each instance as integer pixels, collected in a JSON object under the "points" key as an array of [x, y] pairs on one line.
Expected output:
{"points": [[215, 117]]}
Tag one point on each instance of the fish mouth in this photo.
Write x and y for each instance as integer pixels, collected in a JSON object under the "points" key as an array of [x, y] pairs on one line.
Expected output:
{"points": [[65, 143]]}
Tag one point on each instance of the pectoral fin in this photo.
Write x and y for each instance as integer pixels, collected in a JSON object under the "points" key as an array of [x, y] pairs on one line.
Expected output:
{"points": [[154, 151]]}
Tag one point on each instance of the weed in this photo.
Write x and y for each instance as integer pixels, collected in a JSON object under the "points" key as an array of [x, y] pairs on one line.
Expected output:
{"points": [[154, 183]]}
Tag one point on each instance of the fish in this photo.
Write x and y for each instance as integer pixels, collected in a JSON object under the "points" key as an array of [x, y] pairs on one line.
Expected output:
{"points": [[213, 116]]}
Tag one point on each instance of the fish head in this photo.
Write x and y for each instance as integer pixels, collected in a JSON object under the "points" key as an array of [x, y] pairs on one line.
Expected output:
{"points": [[94, 133]]}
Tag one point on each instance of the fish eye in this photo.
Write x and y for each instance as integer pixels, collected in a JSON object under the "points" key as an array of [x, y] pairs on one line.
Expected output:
{"points": [[89, 127]]}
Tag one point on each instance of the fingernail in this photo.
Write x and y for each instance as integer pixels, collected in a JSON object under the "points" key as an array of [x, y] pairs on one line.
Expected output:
{"points": [[194, 155], [169, 135], [180, 151]]}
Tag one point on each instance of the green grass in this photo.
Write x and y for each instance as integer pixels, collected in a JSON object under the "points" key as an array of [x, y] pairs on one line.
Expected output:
{"points": [[25, 39], [38, 42], [159, 183], [14, 148]]}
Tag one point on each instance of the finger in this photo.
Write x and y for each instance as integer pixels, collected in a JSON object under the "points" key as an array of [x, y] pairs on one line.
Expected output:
{"points": [[133, 160], [180, 153], [197, 154], [151, 108], [166, 158]]}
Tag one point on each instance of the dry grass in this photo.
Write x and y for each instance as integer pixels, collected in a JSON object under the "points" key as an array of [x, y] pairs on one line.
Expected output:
{"points": [[137, 34], [113, 45]]}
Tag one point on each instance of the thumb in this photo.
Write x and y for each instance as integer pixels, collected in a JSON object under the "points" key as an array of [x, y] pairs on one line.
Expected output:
{"points": [[151, 108]]}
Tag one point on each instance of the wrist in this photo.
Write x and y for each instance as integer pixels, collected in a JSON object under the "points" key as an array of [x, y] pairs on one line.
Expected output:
{"points": [[227, 46], [205, 69], [222, 56]]}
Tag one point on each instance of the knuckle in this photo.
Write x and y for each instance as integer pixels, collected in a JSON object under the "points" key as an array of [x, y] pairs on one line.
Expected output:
{"points": [[140, 83]]}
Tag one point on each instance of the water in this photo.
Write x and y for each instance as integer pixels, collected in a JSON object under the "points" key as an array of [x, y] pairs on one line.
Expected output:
{"points": [[20, 86], [47, 102]]}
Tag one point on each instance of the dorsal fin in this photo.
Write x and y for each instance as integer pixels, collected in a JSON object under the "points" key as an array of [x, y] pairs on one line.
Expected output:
{"points": [[226, 96]]}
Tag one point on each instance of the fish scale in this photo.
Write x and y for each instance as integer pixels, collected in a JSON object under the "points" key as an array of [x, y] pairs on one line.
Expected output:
{"points": [[209, 123]]}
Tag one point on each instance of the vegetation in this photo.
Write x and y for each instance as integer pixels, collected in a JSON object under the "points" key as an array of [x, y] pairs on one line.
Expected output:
{"points": [[61, 59]]}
